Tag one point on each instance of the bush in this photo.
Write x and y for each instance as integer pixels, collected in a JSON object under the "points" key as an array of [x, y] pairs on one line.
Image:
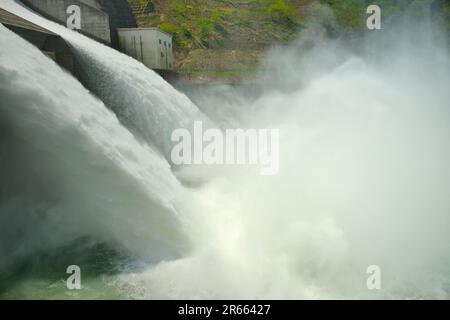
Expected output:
{"points": [[179, 10], [187, 33], [349, 13], [283, 13], [204, 25], [169, 28]]}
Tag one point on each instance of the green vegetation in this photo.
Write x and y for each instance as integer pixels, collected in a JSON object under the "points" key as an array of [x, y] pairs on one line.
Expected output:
{"points": [[223, 23], [349, 13], [282, 13]]}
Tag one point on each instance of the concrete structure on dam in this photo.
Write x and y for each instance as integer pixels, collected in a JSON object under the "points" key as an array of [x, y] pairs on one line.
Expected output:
{"points": [[83, 15], [151, 46]]}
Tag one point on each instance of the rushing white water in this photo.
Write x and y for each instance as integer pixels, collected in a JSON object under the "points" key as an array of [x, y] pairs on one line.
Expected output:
{"points": [[364, 170], [70, 169]]}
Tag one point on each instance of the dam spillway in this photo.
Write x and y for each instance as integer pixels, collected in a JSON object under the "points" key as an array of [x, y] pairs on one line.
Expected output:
{"points": [[46, 41]]}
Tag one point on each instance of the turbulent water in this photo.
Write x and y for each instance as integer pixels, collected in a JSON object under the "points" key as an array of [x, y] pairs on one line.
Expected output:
{"points": [[364, 174], [71, 170]]}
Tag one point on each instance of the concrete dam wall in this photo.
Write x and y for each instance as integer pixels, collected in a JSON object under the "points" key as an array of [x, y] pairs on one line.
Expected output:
{"points": [[94, 22]]}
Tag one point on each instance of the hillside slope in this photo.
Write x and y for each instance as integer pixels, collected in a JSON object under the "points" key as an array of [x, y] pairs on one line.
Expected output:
{"points": [[225, 39]]}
